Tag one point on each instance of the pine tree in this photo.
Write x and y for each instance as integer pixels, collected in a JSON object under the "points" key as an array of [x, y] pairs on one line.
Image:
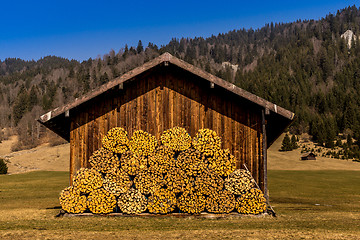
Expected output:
{"points": [[286, 144], [294, 144], [140, 47]]}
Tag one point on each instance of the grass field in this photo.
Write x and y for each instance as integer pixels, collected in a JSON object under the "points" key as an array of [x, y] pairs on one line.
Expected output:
{"points": [[309, 205]]}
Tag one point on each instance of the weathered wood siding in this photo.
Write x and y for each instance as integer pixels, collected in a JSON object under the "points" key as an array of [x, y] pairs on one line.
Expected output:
{"points": [[166, 97]]}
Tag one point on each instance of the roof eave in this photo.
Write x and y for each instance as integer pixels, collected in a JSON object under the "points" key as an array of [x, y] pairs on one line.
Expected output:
{"points": [[167, 57]]}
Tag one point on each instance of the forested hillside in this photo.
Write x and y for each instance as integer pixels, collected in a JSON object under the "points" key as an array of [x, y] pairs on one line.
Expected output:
{"points": [[304, 66]]}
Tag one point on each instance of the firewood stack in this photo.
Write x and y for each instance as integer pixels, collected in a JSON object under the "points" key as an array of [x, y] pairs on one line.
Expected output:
{"points": [[142, 143], [162, 201], [116, 140], [101, 201], [176, 180], [191, 161], [72, 201], [177, 139], [207, 142], [132, 163], [192, 202], [177, 173], [132, 202], [239, 181], [117, 182], [208, 182], [220, 202], [222, 162], [148, 181], [251, 202], [87, 180], [104, 160], [162, 159]]}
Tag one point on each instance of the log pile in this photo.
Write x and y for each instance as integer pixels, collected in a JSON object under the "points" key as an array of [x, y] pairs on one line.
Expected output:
{"points": [[191, 161], [222, 162], [177, 139], [132, 163], [101, 201], [220, 202], [87, 180], [148, 181], [208, 182], [251, 202], [72, 201], [104, 160], [239, 181], [132, 202], [116, 140], [162, 159], [176, 173], [207, 142], [162, 201], [191, 202], [176, 180], [142, 143], [117, 182]]}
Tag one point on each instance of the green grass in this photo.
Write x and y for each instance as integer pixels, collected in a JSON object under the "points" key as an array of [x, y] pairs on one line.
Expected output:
{"points": [[309, 204]]}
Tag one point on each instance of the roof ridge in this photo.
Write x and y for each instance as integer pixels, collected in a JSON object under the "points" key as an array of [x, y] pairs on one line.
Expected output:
{"points": [[167, 57]]}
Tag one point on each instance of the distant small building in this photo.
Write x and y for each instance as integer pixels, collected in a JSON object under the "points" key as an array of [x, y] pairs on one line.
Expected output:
{"points": [[308, 156]]}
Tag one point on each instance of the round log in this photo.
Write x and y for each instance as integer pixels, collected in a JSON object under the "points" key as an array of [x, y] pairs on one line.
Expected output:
{"points": [[176, 138], [207, 141], [72, 201], [132, 202], [87, 180], [116, 140], [101, 201]]}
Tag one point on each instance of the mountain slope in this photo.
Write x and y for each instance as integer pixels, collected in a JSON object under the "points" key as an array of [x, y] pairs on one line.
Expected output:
{"points": [[304, 66]]}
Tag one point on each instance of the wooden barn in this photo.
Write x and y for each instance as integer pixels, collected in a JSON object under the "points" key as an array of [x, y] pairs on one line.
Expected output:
{"points": [[167, 92], [308, 156]]}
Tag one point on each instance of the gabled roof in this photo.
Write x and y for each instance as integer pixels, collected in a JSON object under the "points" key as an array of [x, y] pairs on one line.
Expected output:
{"points": [[306, 154], [49, 119]]}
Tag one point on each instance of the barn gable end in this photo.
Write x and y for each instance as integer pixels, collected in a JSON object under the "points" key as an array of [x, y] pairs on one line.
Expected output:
{"points": [[164, 93]]}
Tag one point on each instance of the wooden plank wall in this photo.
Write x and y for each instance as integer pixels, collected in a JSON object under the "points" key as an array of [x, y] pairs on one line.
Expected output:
{"points": [[166, 97]]}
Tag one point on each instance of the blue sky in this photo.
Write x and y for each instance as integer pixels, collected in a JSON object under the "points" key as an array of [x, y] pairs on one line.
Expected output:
{"points": [[83, 29]]}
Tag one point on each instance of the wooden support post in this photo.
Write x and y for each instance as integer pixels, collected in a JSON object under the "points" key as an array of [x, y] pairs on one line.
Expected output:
{"points": [[265, 155]]}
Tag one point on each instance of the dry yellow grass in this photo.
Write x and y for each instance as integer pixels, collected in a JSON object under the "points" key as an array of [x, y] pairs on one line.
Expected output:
{"points": [[41, 158], [291, 160]]}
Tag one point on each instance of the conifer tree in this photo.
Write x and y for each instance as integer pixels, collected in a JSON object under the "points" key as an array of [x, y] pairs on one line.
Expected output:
{"points": [[286, 144]]}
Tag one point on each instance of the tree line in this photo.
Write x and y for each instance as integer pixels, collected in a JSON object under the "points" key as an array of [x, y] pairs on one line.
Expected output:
{"points": [[304, 66]]}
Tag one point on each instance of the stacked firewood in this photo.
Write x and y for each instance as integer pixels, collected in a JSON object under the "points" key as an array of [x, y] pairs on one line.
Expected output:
{"points": [[239, 181], [116, 140], [101, 201], [176, 138], [104, 160], [177, 173], [117, 182], [251, 202], [72, 201], [220, 202], [162, 201], [192, 202], [132, 202]]}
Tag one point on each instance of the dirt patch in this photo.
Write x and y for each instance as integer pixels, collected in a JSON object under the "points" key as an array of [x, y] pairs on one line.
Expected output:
{"points": [[41, 158]]}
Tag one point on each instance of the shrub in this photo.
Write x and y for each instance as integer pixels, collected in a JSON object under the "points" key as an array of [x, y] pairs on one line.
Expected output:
{"points": [[3, 166]]}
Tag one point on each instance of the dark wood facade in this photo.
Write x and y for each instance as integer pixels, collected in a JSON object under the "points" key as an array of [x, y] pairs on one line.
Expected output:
{"points": [[163, 95]]}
